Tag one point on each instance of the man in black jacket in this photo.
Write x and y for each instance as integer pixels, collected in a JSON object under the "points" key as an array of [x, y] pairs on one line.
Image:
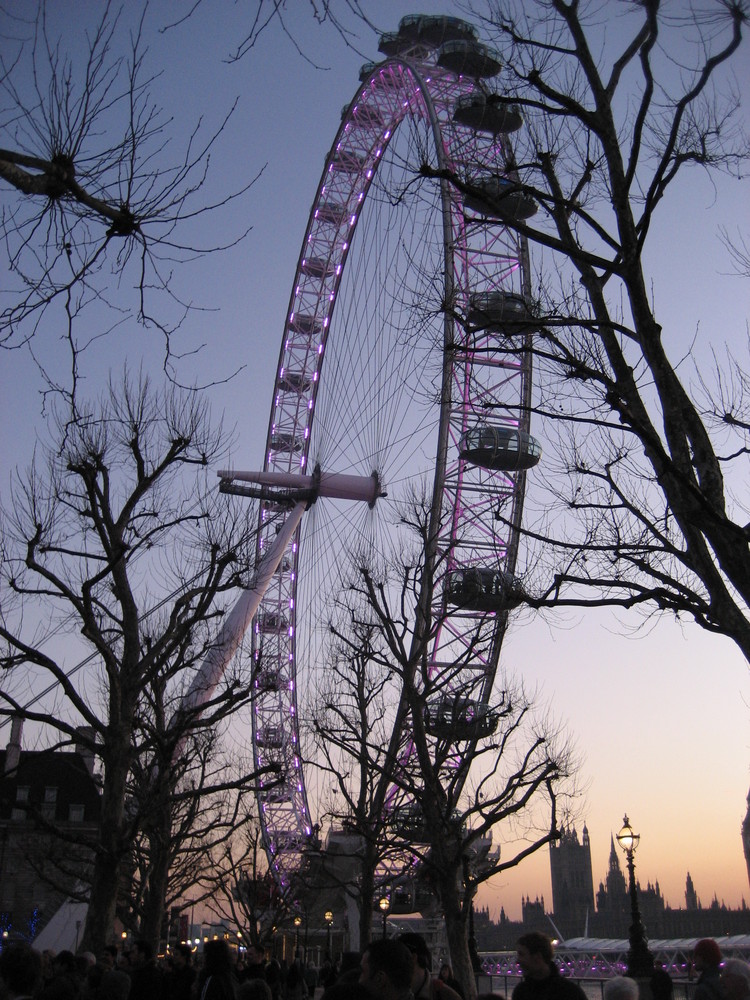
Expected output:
{"points": [[541, 977]]}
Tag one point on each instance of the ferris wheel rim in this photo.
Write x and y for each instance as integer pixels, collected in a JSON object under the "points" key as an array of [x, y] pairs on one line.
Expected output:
{"points": [[294, 439]]}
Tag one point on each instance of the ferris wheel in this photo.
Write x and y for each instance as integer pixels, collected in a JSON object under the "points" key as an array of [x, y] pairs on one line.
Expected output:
{"points": [[404, 377]]}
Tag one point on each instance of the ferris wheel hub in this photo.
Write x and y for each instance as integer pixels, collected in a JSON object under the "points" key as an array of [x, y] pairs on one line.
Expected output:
{"points": [[334, 485]]}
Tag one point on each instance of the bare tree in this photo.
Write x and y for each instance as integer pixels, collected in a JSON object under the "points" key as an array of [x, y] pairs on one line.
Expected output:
{"points": [[350, 728], [239, 888], [639, 501], [474, 767], [186, 800], [120, 541], [99, 208]]}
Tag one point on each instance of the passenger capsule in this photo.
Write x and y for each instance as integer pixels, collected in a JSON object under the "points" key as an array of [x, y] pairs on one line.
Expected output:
{"points": [[331, 213], [450, 717], [469, 58], [436, 29], [498, 311], [408, 821], [347, 162], [294, 381], [318, 267], [499, 198], [285, 442], [271, 736], [479, 588], [308, 325], [364, 115], [485, 113], [508, 449], [271, 621]]}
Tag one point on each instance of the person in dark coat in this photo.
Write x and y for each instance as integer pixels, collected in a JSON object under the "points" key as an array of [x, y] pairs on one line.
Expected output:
{"points": [[215, 981], [707, 959], [145, 976], [542, 979], [181, 976]]}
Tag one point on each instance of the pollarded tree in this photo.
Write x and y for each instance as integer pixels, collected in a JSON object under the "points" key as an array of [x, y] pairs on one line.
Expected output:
{"points": [[120, 542], [474, 768], [350, 730], [645, 502]]}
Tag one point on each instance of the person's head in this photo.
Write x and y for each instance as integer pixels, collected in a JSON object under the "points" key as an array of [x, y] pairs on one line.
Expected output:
{"points": [[706, 955], [662, 987], [621, 988], [115, 985], [217, 958], [445, 973], [255, 955], [534, 952], [418, 948], [20, 968], [182, 955], [735, 979], [254, 989], [65, 962], [142, 952], [109, 957], [387, 968]]}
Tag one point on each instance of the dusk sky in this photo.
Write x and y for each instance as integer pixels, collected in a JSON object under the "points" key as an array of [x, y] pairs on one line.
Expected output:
{"points": [[658, 709]]}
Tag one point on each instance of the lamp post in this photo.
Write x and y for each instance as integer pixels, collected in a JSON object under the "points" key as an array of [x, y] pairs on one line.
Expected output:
{"points": [[385, 905], [328, 917], [640, 959], [297, 925]]}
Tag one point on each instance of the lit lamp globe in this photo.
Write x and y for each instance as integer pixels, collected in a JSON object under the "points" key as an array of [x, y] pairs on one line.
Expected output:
{"points": [[628, 840], [640, 959]]}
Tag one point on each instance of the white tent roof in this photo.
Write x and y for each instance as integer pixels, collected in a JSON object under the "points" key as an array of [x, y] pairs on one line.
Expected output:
{"points": [[64, 930]]}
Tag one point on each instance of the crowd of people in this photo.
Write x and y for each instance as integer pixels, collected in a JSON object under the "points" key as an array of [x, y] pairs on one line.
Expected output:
{"points": [[397, 968]]}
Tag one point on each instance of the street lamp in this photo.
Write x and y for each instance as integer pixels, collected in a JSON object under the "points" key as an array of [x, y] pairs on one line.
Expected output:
{"points": [[640, 959], [328, 917], [385, 905], [297, 925]]}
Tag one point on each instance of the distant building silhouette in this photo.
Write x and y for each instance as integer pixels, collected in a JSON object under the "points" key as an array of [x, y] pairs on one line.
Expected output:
{"points": [[572, 882], [573, 901]]}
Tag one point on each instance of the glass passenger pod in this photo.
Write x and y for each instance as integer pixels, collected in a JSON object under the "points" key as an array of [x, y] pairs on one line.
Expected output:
{"points": [[487, 113], [318, 267], [393, 44], [403, 898], [309, 326], [270, 736], [469, 58], [364, 115], [498, 311], [408, 821], [484, 589], [285, 441], [348, 162], [436, 29], [295, 381], [276, 795], [271, 621], [507, 449], [499, 198], [267, 680], [331, 213], [449, 717]]}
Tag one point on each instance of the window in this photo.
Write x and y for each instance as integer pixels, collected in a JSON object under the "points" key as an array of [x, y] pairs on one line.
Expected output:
{"points": [[76, 813], [22, 793], [50, 803]]}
